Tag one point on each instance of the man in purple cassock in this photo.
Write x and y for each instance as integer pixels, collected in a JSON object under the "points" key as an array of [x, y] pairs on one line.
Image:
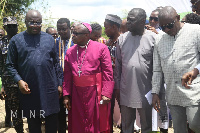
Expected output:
{"points": [[88, 83]]}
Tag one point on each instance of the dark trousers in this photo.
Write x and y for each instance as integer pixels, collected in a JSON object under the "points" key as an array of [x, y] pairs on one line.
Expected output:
{"points": [[62, 118], [12, 107], [34, 124]]}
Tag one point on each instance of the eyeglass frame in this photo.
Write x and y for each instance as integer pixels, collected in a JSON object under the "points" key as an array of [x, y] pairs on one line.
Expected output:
{"points": [[169, 25], [153, 18], [34, 23]]}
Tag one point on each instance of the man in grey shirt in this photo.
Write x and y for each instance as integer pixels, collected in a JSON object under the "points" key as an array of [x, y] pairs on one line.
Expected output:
{"points": [[175, 53], [133, 71]]}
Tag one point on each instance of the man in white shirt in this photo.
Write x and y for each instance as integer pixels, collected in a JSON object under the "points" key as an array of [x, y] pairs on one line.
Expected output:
{"points": [[175, 53]]}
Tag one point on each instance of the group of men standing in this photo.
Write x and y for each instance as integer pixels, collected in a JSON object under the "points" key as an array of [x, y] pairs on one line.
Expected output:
{"points": [[78, 73]]}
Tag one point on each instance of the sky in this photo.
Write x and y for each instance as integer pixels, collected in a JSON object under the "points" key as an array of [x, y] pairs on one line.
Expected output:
{"points": [[96, 10]]}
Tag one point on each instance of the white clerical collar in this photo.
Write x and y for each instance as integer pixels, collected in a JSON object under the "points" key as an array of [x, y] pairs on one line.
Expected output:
{"points": [[85, 45]]}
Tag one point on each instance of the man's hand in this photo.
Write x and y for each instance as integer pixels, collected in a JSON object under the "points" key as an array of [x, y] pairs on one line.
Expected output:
{"points": [[3, 95], [156, 102], [23, 86], [60, 91], [189, 77], [66, 102], [151, 28], [105, 99], [117, 95]]}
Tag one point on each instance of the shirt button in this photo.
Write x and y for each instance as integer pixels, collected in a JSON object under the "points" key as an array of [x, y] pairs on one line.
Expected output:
{"points": [[173, 61]]}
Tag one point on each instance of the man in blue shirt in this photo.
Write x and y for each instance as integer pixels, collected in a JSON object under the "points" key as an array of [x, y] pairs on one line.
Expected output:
{"points": [[33, 63], [63, 43]]}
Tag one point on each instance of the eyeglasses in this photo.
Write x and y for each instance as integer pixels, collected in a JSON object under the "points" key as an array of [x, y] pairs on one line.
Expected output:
{"points": [[31, 23], [153, 18], [169, 26], [11, 26], [76, 33], [54, 34]]}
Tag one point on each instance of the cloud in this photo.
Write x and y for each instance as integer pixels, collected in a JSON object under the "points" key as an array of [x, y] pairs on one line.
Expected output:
{"points": [[96, 10]]}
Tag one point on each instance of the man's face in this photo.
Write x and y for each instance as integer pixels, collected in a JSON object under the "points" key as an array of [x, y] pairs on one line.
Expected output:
{"points": [[53, 32], [63, 31], [153, 20], [123, 27], [133, 22], [196, 6], [11, 29], [169, 25], [109, 30], [78, 35], [34, 23], [95, 35]]}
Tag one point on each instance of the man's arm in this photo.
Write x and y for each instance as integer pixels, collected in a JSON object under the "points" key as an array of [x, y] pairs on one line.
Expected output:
{"points": [[11, 65], [188, 77], [118, 70], [156, 79], [58, 69], [107, 75], [67, 84]]}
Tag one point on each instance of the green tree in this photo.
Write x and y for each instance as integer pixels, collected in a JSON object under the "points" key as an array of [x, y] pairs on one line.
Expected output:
{"points": [[16, 8], [11, 7]]}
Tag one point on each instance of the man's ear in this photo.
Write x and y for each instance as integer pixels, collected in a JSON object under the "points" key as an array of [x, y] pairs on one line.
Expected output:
{"points": [[143, 21], [178, 17]]}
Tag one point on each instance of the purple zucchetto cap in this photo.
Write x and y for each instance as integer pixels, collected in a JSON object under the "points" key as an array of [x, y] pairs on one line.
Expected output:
{"points": [[87, 26]]}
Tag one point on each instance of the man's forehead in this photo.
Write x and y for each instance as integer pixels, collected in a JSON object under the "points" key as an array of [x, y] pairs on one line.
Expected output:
{"points": [[78, 27], [62, 24], [155, 13], [34, 15]]}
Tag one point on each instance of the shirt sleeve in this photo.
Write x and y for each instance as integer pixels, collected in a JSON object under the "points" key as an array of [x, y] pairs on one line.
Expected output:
{"points": [[57, 66], [107, 73], [11, 62], [118, 65], [157, 72], [67, 82], [198, 67], [198, 46]]}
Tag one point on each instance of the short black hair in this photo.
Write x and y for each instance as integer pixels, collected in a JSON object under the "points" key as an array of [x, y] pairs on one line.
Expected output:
{"points": [[96, 27], [64, 20], [140, 12], [47, 30], [192, 18]]}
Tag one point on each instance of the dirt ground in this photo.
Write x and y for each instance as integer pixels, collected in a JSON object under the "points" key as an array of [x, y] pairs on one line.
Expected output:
{"points": [[12, 130]]}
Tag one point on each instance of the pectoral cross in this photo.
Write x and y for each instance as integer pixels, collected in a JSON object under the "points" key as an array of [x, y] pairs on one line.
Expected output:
{"points": [[79, 72]]}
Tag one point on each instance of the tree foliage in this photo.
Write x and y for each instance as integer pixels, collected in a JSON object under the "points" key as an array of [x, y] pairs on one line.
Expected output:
{"points": [[11, 7], [17, 8]]}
